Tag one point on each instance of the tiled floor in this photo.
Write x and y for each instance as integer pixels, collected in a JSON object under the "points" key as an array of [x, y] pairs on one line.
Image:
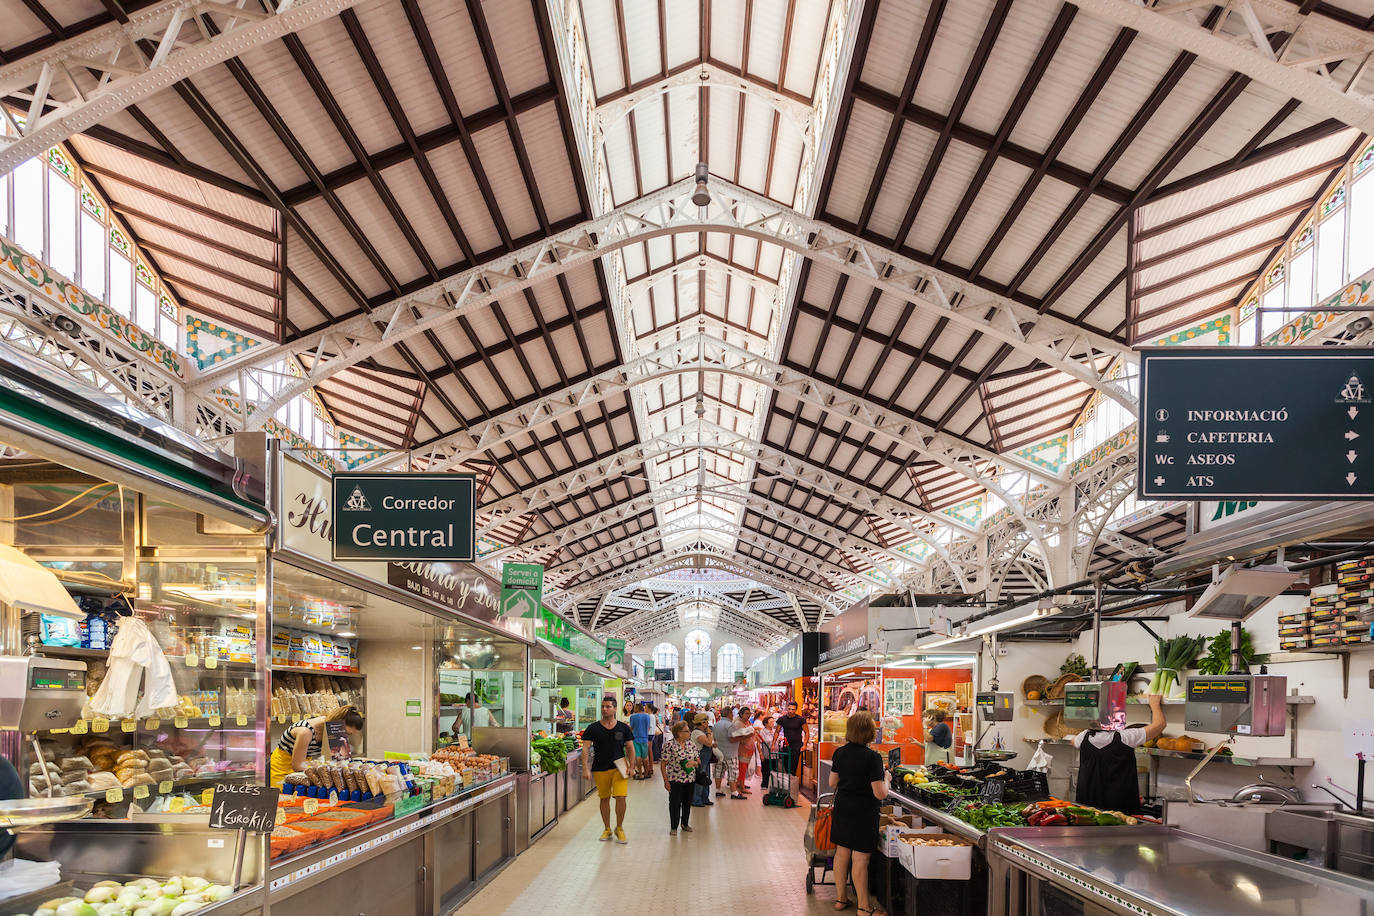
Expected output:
{"points": [[741, 857]]}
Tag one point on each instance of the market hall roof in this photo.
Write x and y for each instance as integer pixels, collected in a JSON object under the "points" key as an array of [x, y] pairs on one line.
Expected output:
{"points": [[935, 230]]}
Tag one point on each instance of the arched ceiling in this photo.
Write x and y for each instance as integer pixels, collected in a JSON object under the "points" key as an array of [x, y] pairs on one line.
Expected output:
{"points": [[935, 231]]}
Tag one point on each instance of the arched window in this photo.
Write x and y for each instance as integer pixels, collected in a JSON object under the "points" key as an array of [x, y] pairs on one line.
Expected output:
{"points": [[729, 662], [665, 656], [698, 666]]}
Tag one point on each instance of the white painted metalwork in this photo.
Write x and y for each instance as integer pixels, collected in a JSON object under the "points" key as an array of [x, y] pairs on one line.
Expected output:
{"points": [[74, 84], [1306, 64], [1081, 354]]}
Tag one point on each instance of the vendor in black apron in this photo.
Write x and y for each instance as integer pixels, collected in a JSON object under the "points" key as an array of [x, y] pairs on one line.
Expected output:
{"points": [[1106, 762]]}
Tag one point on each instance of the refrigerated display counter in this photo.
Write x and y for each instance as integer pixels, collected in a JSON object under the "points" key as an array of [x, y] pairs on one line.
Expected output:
{"points": [[1156, 870]]}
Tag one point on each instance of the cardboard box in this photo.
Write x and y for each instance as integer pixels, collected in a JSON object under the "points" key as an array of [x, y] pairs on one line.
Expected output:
{"points": [[938, 863]]}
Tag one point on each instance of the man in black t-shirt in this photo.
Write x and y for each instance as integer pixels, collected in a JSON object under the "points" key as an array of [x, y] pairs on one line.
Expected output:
{"points": [[608, 756], [793, 729]]}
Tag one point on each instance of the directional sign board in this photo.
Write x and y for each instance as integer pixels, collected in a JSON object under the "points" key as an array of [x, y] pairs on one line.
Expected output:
{"points": [[404, 517], [1291, 423]]}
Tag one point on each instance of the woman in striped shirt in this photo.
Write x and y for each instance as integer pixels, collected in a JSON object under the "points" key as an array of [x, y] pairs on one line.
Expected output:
{"points": [[306, 739]]}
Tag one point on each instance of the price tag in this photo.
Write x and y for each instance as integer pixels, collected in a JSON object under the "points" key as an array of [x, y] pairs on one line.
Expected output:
{"points": [[100, 724], [114, 796], [311, 805], [214, 721], [212, 661], [164, 787], [281, 817], [177, 805], [140, 791], [180, 722], [152, 724], [207, 796], [128, 725], [192, 659], [80, 727], [241, 720]]}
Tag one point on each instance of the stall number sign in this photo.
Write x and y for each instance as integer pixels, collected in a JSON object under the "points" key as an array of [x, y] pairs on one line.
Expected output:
{"points": [[404, 517], [242, 806], [1229, 424]]}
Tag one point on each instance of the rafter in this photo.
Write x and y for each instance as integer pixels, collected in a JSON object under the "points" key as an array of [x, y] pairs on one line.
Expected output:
{"points": [[734, 211], [1306, 64], [76, 83]]}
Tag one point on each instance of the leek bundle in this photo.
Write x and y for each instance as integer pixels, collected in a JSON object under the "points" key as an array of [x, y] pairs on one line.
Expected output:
{"points": [[1172, 658]]}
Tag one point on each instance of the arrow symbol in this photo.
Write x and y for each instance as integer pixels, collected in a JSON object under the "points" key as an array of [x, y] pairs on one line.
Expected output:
{"points": [[1351, 434], [1350, 478], [1353, 412], [1350, 456]]}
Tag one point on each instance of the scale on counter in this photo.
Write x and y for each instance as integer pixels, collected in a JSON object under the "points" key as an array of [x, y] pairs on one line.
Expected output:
{"points": [[1237, 704], [994, 706], [1095, 703], [38, 694]]}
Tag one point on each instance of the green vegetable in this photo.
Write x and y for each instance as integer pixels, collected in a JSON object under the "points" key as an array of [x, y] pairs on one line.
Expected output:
{"points": [[1076, 664], [1218, 657], [1172, 658], [553, 753]]}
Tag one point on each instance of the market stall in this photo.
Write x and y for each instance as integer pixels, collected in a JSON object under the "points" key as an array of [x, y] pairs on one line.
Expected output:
{"points": [[158, 561]]}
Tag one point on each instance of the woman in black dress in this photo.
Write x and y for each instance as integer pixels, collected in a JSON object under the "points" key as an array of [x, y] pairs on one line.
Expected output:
{"points": [[856, 775]]}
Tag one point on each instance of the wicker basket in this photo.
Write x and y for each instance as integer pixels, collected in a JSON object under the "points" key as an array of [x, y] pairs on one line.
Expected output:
{"points": [[1035, 682], [1056, 691]]}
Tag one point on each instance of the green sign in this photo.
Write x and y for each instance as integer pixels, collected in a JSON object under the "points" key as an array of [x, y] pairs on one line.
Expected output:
{"points": [[404, 517], [522, 589], [615, 651]]}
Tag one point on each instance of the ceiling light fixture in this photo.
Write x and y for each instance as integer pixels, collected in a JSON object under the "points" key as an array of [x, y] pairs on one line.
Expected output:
{"points": [[701, 196]]}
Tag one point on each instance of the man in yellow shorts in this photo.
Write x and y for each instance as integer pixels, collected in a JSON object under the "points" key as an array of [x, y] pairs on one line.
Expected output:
{"points": [[608, 757]]}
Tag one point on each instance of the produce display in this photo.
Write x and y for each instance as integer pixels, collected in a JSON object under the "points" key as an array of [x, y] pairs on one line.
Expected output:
{"points": [[552, 752], [93, 763], [140, 897]]}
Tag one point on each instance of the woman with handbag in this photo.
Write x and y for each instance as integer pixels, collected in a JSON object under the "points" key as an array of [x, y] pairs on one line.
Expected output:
{"points": [[680, 760], [860, 785], [701, 737]]}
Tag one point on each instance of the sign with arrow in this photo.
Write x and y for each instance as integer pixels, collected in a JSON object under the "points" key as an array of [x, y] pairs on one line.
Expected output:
{"points": [[1280, 423]]}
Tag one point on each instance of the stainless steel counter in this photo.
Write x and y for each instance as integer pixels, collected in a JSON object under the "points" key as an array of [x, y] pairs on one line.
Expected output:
{"points": [[1158, 870], [934, 816]]}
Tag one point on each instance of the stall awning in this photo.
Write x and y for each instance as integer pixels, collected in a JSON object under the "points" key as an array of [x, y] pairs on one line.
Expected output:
{"points": [[563, 657], [1288, 523], [51, 415]]}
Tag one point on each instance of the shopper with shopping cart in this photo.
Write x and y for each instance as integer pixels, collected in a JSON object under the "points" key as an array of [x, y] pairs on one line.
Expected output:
{"points": [[860, 785]]}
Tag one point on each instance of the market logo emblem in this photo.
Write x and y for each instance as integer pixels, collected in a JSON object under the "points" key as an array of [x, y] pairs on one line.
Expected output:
{"points": [[1353, 392], [357, 501]]}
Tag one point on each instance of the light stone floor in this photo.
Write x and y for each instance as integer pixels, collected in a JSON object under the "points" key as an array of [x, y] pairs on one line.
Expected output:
{"points": [[741, 857]]}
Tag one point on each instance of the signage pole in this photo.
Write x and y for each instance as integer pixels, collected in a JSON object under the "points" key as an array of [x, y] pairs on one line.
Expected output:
{"points": [[239, 843]]}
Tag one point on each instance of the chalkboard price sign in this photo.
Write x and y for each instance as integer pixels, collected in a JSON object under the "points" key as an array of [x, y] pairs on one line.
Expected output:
{"points": [[241, 806]]}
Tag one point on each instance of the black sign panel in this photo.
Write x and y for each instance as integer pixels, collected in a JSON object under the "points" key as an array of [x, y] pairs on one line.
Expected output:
{"points": [[1294, 423], [243, 806], [404, 517]]}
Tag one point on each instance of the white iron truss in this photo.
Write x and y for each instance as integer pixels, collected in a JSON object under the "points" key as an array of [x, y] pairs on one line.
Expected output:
{"points": [[689, 525], [699, 555], [32, 321], [256, 376], [1274, 42], [74, 84], [742, 493], [702, 352]]}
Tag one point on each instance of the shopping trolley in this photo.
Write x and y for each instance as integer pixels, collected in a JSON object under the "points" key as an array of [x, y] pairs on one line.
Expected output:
{"points": [[780, 776], [816, 858]]}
